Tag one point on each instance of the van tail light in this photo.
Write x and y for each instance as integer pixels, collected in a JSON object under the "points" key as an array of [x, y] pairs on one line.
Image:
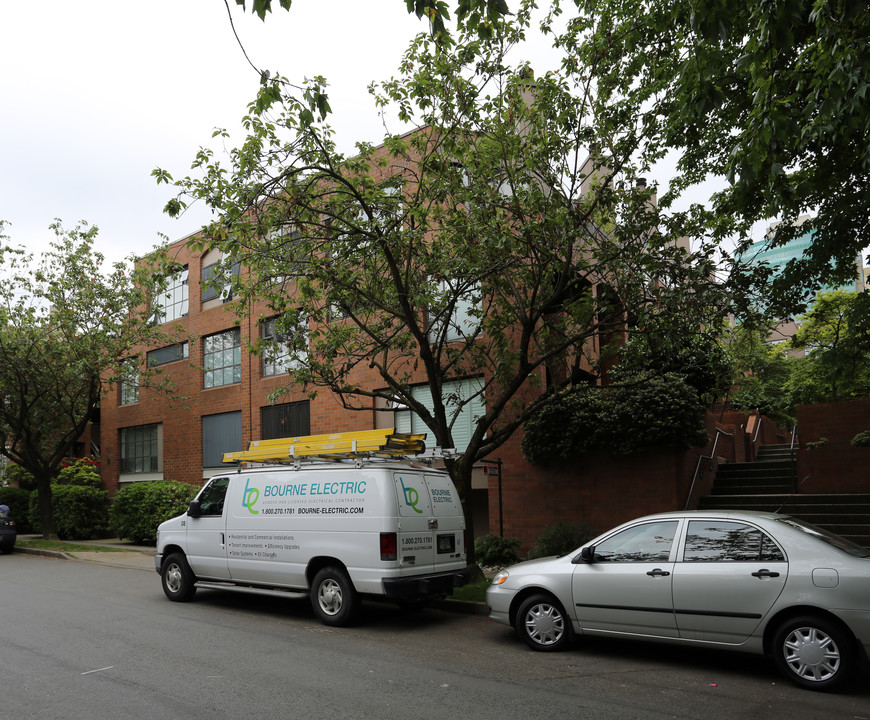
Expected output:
{"points": [[389, 546]]}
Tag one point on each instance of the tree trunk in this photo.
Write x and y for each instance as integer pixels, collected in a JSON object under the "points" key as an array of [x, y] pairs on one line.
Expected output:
{"points": [[46, 516]]}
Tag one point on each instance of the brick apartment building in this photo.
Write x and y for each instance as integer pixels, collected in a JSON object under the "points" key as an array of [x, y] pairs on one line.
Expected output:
{"points": [[146, 435]]}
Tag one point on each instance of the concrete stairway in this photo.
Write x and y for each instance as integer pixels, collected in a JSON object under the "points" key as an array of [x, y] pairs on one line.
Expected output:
{"points": [[769, 484]]}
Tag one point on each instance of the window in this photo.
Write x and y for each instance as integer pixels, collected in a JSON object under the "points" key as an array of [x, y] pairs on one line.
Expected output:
{"points": [[172, 303], [211, 499], [716, 541], [278, 355], [212, 287], [168, 354], [287, 420], [470, 390], [222, 358], [220, 434], [130, 384], [650, 542], [460, 320], [140, 449]]}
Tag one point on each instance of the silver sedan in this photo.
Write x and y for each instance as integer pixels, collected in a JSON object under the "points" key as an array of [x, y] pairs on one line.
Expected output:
{"points": [[754, 582]]}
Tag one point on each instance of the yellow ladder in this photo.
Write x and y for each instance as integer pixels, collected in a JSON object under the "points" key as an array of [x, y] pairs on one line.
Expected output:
{"points": [[385, 442]]}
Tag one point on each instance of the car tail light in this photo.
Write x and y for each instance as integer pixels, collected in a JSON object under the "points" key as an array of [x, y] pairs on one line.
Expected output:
{"points": [[389, 546]]}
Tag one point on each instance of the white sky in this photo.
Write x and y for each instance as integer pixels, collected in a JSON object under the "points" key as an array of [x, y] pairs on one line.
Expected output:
{"points": [[94, 94]]}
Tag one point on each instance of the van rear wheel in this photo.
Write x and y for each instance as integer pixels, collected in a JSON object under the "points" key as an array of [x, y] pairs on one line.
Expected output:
{"points": [[333, 597]]}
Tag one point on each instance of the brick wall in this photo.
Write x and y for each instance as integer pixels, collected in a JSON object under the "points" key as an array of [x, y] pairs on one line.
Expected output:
{"points": [[836, 466]]}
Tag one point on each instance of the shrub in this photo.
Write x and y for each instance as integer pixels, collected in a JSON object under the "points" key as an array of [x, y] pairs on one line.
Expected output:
{"points": [[84, 472], [18, 501], [560, 539], [17, 475], [650, 412], [139, 508], [862, 439], [79, 513], [496, 551]]}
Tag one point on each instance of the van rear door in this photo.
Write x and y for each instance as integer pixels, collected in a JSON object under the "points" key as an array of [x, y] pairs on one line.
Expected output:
{"points": [[415, 539], [449, 533]]}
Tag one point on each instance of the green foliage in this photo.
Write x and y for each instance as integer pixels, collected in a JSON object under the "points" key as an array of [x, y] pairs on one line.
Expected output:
{"points": [[72, 325], [837, 361], [862, 439], [650, 412], [139, 508], [84, 472], [20, 476], [18, 501], [560, 538], [817, 444], [77, 512], [496, 551]]}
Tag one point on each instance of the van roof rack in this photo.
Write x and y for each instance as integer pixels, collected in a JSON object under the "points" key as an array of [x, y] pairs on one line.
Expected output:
{"points": [[383, 443]]}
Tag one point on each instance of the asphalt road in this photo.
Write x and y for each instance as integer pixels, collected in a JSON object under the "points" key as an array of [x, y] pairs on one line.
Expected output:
{"points": [[84, 640]]}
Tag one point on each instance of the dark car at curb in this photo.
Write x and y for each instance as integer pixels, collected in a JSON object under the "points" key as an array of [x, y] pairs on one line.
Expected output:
{"points": [[748, 581], [8, 533]]}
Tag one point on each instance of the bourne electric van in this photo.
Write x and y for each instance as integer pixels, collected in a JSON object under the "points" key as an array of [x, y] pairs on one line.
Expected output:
{"points": [[337, 522]]}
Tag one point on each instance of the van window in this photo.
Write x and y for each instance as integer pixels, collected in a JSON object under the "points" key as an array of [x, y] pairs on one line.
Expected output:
{"points": [[443, 495], [211, 499]]}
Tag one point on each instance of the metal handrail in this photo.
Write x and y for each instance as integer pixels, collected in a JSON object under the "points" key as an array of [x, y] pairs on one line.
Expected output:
{"points": [[709, 458]]}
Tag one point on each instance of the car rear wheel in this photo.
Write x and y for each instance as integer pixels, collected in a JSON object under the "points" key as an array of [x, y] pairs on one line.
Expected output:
{"points": [[333, 597], [814, 653], [179, 582], [542, 623]]}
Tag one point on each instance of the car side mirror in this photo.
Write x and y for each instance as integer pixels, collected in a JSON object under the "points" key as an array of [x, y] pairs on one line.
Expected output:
{"points": [[194, 510], [587, 554]]}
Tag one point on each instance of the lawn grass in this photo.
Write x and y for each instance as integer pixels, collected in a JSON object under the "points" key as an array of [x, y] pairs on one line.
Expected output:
{"points": [[63, 546], [473, 592]]}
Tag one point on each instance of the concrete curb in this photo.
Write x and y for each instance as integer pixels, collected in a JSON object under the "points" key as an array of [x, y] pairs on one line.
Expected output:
{"points": [[143, 559]]}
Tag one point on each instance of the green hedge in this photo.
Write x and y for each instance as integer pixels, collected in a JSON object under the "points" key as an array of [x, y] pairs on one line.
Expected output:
{"points": [[18, 501], [650, 412], [80, 513], [139, 508], [560, 538], [496, 551], [83, 471]]}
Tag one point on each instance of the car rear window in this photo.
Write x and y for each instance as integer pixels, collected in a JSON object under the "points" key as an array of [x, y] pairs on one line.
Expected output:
{"points": [[836, 541]]}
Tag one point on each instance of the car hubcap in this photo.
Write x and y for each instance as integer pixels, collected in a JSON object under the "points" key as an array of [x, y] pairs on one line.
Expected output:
{"points": [[811, 654], [330, 597], [544, 624], [173, 578]]}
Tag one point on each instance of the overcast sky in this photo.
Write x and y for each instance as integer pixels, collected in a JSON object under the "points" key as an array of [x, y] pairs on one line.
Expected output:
{"points": [[94, 94]]}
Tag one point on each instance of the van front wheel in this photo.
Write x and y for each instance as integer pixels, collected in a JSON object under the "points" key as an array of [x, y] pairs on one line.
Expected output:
{"points": [[333, 597], [178, 579]]}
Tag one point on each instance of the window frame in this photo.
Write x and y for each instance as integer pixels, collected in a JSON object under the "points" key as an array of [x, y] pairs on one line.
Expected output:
{"points": [[149, 447], [176, 283], [184, 353], [212, 370]]}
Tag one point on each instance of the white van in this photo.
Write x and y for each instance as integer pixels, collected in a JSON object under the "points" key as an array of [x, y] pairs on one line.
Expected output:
{"points": [[331, 530]]}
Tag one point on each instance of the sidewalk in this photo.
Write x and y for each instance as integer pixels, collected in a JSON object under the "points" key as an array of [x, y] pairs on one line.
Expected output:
{"points": [[127, 555]]}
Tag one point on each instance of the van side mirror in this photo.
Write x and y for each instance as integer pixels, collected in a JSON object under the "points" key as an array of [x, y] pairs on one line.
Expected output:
{"points": [[194, 510]]}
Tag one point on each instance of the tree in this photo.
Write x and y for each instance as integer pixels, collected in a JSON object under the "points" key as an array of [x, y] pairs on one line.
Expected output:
{"points": [[772, 97], [761, 374], [480, 256], [837, 361], [66, 333]]}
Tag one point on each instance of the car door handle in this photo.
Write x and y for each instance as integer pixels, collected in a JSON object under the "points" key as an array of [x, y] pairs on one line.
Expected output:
{"points": [[765, 573], [658, 572]]}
